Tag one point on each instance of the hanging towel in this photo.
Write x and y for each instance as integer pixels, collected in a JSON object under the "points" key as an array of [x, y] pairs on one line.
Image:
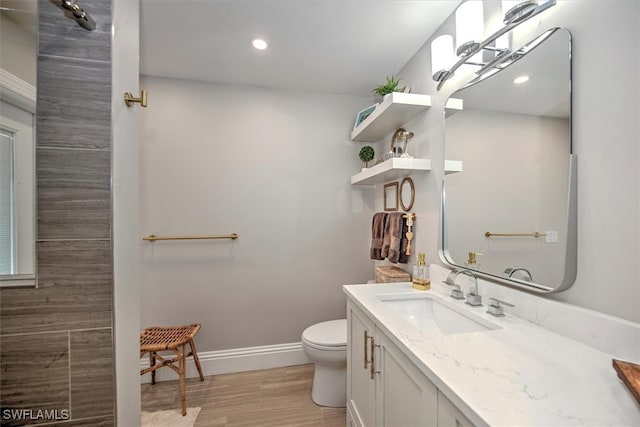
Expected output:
{"points": [[404, 242], [392, 236], [377, 234]]}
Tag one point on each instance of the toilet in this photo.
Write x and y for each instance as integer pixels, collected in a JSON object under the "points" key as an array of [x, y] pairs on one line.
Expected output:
{"points": [[326, 345]]}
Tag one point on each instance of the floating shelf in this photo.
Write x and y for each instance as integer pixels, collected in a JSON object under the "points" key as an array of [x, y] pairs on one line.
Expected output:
{"points": [[452, 106], [398, 167], [390, 170], [452, 166], [396, 109]]}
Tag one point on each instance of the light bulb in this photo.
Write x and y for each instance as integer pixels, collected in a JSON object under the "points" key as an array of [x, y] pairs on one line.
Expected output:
{"points": [[259, 44]]}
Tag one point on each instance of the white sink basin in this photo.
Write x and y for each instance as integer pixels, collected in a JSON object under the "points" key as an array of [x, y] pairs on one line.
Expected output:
{"points": [[435, 317]]}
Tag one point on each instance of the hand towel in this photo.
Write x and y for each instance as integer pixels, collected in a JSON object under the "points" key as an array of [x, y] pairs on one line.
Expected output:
{"points": [[392, 236], [377, 234]]}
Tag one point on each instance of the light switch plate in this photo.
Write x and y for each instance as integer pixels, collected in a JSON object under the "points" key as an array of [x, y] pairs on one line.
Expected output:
{"points": [[551, 237]]}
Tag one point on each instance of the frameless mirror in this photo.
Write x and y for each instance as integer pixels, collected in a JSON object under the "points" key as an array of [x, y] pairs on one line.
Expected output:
{"points": [[514, 200], [18, 35]]}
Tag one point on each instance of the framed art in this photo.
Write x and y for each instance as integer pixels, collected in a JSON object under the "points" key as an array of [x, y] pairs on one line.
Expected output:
{"points": [[362, 115], [391, 196]]}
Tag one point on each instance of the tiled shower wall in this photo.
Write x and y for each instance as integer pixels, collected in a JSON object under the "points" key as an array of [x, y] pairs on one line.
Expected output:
{"points": [[56, 343]]}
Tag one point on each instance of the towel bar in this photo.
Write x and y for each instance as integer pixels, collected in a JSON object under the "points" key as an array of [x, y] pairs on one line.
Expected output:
{"points": [[153, 238], [534, 234]]}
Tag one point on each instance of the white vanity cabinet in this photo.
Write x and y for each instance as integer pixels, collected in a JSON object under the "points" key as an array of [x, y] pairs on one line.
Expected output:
{"points": [[449, 415], [383, 387], [360, 387]]}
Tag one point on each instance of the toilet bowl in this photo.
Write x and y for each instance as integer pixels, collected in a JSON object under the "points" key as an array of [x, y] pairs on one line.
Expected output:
{"points": [[326, 345]]}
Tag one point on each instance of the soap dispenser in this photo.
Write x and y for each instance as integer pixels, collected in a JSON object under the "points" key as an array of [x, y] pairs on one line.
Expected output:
{"points": [[472, 262], [421, 274]]}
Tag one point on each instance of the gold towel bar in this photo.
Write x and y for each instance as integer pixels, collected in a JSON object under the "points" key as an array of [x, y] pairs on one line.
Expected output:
{"points": [[534, 234], [153, 238]]}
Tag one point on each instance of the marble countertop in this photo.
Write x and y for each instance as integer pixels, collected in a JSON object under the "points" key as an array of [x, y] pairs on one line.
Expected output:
{"points": [[520, 374]]}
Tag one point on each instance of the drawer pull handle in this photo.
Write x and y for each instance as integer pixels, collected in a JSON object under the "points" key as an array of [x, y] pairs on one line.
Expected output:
{"points": [[373, 370], [366, 337]]}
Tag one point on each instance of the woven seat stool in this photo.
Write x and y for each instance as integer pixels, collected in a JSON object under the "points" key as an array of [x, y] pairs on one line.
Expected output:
{"points": [[174, 339]]}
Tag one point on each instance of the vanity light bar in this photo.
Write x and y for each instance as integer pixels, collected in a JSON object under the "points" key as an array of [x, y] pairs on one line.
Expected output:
{"points": [[471, 48]]}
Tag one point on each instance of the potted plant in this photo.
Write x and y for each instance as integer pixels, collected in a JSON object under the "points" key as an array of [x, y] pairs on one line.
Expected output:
{"points": [[366, 155], [391, 85]]}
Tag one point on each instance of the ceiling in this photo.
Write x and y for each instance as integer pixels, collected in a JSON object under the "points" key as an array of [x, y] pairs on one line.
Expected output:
{"points": [[332, 46]]}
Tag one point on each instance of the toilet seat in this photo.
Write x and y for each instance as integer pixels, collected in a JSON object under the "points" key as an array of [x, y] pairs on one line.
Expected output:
{"points": [[327, 336]]}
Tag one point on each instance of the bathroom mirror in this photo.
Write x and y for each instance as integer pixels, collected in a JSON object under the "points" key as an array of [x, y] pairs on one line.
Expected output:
{"points": [[407, 194], [18, 53], [514, 201]]}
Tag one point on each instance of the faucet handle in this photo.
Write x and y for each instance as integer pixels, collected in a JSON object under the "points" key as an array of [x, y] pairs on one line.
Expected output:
{"points": [[496, 308], [456, 292]]}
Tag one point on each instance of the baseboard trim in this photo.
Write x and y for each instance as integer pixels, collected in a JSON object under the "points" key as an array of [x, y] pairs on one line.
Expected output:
{"points": [[235, 360]]}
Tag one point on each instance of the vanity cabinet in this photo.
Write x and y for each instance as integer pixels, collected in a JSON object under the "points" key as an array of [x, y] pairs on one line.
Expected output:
{"points": [[360, 387], [449, 415], [383, 387]]}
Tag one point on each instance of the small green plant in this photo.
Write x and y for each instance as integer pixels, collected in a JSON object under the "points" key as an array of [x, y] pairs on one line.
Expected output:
{"points": [[366, 155], [391, 85]]}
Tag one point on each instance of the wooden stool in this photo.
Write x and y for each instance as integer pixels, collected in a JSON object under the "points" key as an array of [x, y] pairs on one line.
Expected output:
{"points": [[170, 338]]}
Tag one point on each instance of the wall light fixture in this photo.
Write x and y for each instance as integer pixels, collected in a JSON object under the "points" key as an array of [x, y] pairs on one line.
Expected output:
{"points": [[468, 50]]}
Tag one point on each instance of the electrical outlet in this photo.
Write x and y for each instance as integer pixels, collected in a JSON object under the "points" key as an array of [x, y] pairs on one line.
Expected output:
{"points": [[551, 237]]}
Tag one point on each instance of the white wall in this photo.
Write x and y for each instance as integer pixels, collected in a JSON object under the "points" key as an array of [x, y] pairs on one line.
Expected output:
{"points": [[272, 166], [605, 138], [126, 227], [18, 55]]}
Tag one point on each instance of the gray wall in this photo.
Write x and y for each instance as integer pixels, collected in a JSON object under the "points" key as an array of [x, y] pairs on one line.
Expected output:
{"points": [[272, 166], [57, 345]]}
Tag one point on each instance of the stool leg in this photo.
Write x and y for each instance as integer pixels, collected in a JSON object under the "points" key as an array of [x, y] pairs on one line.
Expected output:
{"points": [[196, 359], [183, 391], [152, 362]]}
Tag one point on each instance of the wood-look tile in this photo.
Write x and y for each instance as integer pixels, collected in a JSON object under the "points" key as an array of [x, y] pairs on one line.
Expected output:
{"points": [[75, 290], [60, 35], [35, 372], [73, 194], [92, 373], [271, 397], [106, 421], [73, 103]]}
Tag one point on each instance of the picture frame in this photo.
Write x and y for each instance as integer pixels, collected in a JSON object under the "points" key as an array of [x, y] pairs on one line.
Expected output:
{"points": [[391, 196], [363, 114]]}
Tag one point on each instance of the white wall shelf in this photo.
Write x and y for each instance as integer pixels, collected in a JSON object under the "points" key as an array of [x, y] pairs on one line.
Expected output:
{"points": [[452, 166], [452, 106], [395, 110], [397, 167], [390, 170]]}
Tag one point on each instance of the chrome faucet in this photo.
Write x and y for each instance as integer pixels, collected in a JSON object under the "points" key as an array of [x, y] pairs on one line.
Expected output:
{"points": [[473, 296], [509, 272]]}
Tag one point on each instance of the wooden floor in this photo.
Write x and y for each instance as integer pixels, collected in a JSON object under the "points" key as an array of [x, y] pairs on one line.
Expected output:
{"points": [[272, 397]]}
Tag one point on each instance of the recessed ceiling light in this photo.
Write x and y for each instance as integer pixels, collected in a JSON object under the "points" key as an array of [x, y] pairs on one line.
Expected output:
{"points": [[259, 44], [521, 79]]}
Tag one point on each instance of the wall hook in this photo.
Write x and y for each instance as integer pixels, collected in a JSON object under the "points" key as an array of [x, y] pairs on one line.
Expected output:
{"points": [[129, 99]]}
